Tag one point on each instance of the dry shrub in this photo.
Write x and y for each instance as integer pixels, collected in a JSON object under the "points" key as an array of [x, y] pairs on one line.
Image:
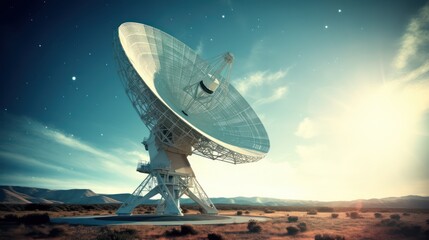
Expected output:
{"points": [[378, 215], [405, 214], [408, 230], [188, 230], [253, 226], [36, 233], [184, 230], [291, 230], [389, 222], [247, 212], [354, 215], [239, 213], [334, 215], [328, 237], [215, 236], [292, 219], [312, 212], [173, 233], [325, 209], [57, 232], [302, 226], [122, 234], [35, 218], [395, 217], [269, 211], [10, 218]]}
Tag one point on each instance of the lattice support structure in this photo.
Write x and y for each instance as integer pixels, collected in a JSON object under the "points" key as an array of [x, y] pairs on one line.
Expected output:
{"points": [[170, 176]]}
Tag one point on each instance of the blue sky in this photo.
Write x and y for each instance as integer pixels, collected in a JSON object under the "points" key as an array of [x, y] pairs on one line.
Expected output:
{"points": [[341, 86]]}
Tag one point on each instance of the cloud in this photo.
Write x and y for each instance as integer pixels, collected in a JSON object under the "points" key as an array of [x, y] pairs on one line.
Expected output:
{"points": [[258, 79], [200, 48], [277, 94], [73, 143], [30, 148], [415, 37], [306, 129]]}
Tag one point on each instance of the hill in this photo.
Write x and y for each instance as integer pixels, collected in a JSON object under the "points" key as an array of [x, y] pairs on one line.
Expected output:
{"points": [[24, 195]]}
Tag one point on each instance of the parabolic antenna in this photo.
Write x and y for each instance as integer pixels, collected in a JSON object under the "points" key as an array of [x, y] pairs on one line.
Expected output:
{"points": [[190, 107]]}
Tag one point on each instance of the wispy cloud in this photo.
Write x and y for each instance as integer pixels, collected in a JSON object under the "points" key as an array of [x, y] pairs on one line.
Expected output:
{"points": [[276, 95], [306, 129], [415, 37], [258, 79], [200, 48], [263, 86], [30, 148]]}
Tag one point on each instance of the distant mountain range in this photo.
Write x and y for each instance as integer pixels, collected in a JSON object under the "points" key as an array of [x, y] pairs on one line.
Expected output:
{"points": [[23, 195]]}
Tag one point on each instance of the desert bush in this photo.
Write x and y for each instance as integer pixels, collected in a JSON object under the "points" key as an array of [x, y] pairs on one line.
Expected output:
{"points": [[253, 226], [347, 214], [36, 233], [247, 212], [354, 215], [312, 212], [334, 215], [378, 215], [408, 230], [173, 233], [215, 236], [239, 213], [291, 230], [405, 214], [188, 230], [10, 218], [35, 218], [292, 219], [184, 230], [389, 222], [269, 211], [302, 226], [57, 232], [395, 217], [328, 237], [123, 234], [325, 209]]}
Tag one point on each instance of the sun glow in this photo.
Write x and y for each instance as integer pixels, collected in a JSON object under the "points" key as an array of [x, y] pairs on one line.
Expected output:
{"points": [[384, 120]]}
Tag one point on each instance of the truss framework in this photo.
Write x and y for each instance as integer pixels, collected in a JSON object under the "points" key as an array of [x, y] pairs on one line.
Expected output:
{"points": [[171, 177]]}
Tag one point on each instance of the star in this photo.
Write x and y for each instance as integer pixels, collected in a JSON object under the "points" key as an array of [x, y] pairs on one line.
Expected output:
{"points": [[101, 134], [339, 10], [326, 26], [74, 78], [40, 45], [223, 16]]}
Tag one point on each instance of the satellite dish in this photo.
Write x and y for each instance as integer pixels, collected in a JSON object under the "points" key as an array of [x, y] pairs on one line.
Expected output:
{"points": [[189, 107]]}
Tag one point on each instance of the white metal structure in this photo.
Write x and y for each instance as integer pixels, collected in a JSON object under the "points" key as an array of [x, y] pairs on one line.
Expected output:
{"points": [[190, 107]]}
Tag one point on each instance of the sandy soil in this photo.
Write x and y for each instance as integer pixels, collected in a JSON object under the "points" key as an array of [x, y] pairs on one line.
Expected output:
{"points": [[366, 227]]}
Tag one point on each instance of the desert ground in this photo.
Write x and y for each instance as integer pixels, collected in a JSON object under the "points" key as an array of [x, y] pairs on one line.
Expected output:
{"points": [[361, 224]]}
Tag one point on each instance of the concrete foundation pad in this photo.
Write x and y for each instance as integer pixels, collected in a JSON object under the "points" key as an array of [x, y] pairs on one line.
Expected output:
{"points": [[156, 220]]}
